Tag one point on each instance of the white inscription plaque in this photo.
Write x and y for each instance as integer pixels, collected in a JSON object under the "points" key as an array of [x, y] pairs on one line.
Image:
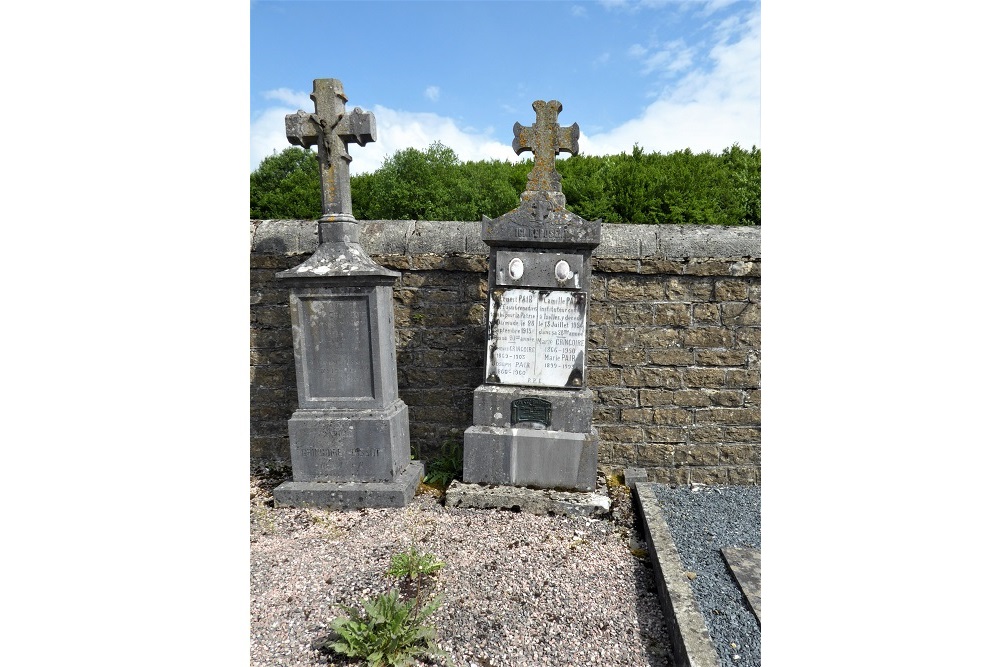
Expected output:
{"points": [[537, 338]]}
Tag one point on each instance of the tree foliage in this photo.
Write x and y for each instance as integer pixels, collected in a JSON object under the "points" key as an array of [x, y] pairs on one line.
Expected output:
{"points": [[286, 185], [433, 184]]}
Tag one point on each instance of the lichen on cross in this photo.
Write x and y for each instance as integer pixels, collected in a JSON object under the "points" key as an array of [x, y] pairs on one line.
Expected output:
{"points": [[546, 140], [331, 128]]}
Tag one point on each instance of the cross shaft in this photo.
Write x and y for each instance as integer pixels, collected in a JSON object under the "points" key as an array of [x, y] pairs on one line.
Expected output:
{"points": [[331, 128]]}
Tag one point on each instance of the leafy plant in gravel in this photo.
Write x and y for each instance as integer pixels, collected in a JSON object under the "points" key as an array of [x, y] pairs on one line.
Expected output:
{"points": [[414, 565], [446, 467], [391, 631]]}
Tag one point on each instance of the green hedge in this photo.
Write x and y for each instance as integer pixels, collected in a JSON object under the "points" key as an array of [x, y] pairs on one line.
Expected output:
{"points": [[433, 184]]}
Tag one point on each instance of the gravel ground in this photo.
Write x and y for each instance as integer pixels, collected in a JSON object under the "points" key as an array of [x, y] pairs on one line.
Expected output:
{"points": [[517, 590], [703, 520]]}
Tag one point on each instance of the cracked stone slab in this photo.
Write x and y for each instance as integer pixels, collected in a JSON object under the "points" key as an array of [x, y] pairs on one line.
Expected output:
{"points": [[745, 567], [589, 504]]}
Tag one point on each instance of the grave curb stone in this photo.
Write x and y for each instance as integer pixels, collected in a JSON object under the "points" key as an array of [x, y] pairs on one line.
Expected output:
{"points": [[692, 643], [351, 495]]}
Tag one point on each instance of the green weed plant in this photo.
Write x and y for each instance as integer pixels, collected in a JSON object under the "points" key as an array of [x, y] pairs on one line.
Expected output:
{"points": [[414, 565], [446, 467], [391, 631]]}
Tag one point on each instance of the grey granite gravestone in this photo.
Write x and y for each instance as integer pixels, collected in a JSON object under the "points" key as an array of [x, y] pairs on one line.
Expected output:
{"points": [[532, 416], [350, 437]]}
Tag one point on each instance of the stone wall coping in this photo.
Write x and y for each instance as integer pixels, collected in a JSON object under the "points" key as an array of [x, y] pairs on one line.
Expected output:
{"points": [[418, 237]]}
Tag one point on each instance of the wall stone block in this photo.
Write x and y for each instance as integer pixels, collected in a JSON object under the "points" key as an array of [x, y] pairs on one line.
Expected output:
{"points": [[656, 397], [698, 455], [708, 267], [604, 377], [658, 337], [668, 378], [721, 357], [708, 378], [692, 398], [707, 337], [628, 398], [710, 476], [671, 357], [640, 415], [672, 314], [621, 433], [736, 416], [654, 455], [743, 379], [706, 434], [741, 314], [727, 398], [600, 313], [661, 267], [688, 289], [635, 289], [628, 357], [607, 414], [672, 416], [636, 313], [732, 290], [665, 434], [706, 313]]}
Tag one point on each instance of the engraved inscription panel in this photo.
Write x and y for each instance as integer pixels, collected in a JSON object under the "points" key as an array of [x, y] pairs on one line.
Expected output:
{"points": [[337, 336], [537, 338]]}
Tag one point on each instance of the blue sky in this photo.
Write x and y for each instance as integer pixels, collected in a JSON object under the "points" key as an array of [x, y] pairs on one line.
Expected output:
{"points": [[666, 75]]}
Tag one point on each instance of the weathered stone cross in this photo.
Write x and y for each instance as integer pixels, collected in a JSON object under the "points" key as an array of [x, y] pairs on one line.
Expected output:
{"points": [[331, 128], [546, 140]]}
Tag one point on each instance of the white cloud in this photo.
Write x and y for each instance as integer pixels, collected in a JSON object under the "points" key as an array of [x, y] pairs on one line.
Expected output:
{"points": [[637, 50], [703, 111], [267, 133], [672, 57], [395, 130], [432, 93], [290, 97]]}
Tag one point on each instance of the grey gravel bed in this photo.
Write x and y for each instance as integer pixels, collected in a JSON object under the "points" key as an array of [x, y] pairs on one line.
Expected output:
{"points": [[703, 520], [517, 590]]}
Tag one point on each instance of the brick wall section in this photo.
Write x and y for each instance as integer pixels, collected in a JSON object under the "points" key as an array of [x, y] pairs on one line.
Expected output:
{"points": [[673, 352]]}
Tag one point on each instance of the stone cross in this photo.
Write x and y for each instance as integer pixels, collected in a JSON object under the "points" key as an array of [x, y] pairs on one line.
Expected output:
{"points": [[546, 140], [331, 128]]}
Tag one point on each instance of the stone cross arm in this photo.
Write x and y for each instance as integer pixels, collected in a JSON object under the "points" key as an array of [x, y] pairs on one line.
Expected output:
{"points": [[305, 129], [546, 139]]}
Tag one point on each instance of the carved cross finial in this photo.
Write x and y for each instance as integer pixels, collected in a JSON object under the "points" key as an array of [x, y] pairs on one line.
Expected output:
{"points": [[331, 128], [546, 140]]}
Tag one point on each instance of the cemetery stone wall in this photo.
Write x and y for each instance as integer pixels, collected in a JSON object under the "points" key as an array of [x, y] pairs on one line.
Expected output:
{"points": [[673, 341]]}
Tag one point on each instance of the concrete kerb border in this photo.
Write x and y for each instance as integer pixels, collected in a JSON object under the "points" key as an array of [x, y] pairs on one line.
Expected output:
{"points": [[692, 643]]}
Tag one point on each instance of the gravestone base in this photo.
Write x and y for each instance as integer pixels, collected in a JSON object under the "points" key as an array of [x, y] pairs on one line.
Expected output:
{"points": [[350, 445], [352, 495], [592, 505], [570, 410], [529, 457]]}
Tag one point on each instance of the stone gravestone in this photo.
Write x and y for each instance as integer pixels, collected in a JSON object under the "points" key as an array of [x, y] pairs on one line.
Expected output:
{"points": [[532, 416], [350, 437]]}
